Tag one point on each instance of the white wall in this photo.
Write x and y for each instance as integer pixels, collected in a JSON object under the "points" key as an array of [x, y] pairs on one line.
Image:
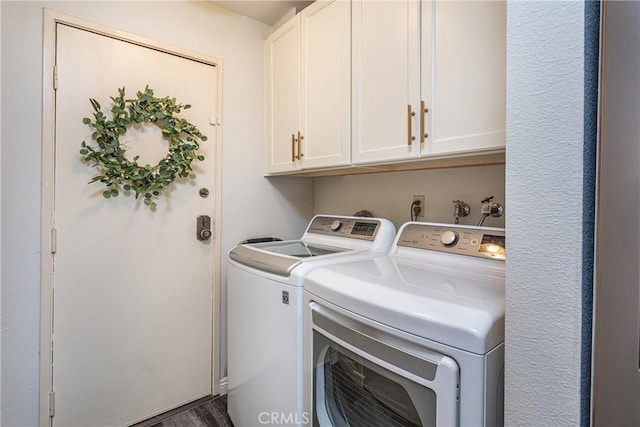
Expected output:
{"points": [[389, 195], [544, 183], [252, 205]]}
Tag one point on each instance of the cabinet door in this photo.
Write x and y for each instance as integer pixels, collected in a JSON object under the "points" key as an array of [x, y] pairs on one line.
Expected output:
{"points": [[385, 80], [467, 111], [282, 97], [326, 84]]}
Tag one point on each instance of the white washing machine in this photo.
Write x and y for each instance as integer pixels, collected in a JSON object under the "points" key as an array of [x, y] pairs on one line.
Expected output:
{"points": [[265, 313], [414, 338]]}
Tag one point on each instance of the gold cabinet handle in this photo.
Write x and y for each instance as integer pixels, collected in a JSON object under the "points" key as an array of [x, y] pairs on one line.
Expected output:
{"points": [[293, 148], [410, 115], [300, 138], [423, 112]]}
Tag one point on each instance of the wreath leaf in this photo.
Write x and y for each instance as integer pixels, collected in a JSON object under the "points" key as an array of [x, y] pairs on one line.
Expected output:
{"points": [[116, 171]]}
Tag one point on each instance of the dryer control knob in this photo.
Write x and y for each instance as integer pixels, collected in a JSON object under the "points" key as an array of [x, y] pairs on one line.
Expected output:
{"points": [[335, 225], [449, 238]]}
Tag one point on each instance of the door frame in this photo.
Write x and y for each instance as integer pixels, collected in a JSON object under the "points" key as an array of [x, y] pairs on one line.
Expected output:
{"points": [[50, 20]]}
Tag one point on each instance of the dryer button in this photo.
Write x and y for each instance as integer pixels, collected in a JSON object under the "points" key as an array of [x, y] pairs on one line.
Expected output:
{"points": [[449, 238]]}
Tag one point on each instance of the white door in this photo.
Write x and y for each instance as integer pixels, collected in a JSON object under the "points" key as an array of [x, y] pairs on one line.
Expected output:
{"points": [[386, 72], [326, 84], [133, 288], [282, 92], [466, 92]]}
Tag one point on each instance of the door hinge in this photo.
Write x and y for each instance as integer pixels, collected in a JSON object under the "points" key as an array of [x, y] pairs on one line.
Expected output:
{"points": [[52, 404], [55, 77], [54, 240]]}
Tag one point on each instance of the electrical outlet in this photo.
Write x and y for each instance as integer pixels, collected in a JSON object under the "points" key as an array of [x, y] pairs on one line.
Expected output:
{"points": [[421, 200]]}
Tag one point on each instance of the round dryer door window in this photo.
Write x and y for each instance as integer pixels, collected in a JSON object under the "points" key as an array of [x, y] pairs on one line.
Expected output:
{"points": [[367, 378]]}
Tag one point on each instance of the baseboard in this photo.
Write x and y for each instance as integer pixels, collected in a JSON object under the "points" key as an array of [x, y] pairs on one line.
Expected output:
{"points": [[159, 418]]}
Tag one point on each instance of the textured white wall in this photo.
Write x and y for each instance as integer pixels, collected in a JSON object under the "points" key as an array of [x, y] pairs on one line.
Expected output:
{"points": [[389, 195], [252, 205], [545, 66]]}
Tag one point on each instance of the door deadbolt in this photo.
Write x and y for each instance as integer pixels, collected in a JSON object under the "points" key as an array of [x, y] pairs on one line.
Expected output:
{"points": [[203, 227]]}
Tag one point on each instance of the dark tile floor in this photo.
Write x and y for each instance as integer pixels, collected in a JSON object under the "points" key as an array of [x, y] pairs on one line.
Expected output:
{"points": [[210, 413]]}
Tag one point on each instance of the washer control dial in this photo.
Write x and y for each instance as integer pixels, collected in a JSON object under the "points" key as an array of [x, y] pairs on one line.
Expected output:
{"points": [[449, 238], [335, 225]]}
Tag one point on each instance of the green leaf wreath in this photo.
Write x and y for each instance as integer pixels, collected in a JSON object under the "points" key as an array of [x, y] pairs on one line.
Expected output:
{"points": [[118, 172]]}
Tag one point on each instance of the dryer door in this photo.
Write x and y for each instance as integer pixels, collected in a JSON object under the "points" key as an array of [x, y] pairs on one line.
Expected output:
{"points": [[366, 377]]}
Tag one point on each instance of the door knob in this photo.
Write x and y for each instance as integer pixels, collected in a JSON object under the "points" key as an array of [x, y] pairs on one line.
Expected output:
{"points": [[203, 227]]}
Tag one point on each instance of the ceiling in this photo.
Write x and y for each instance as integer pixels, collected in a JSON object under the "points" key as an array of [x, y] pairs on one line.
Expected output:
{"points": [[266, 11]]}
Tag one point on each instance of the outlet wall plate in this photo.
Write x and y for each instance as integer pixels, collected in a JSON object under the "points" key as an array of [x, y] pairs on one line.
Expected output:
{"points": [[420, 198]]}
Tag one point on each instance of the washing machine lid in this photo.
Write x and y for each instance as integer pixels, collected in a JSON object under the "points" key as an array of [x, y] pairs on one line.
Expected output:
{"points": [[280, 257], [326, 238], [299, 249], [441, 298]]}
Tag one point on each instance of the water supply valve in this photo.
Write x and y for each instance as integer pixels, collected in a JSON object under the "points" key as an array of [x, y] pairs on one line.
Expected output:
{"points": [[490, 208], [460, 209]]}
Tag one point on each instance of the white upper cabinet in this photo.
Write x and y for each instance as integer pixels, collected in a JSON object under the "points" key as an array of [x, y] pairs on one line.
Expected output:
{"points": [[428, 78], [373, 82], [466, 92], [386, 74], [308, 90], [282, 97]]}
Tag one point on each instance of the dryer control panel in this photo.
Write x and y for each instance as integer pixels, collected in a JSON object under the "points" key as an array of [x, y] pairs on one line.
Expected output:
{"points": [[484, 242], [355, 228]]}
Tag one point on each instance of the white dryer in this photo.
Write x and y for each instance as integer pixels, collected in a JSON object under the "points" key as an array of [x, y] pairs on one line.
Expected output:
{"points": [[415, 338], [265, 313]]}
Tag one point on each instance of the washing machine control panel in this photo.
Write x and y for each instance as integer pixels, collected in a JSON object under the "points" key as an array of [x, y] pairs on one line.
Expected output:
{"points": [[360, 228], [484, 242]]}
